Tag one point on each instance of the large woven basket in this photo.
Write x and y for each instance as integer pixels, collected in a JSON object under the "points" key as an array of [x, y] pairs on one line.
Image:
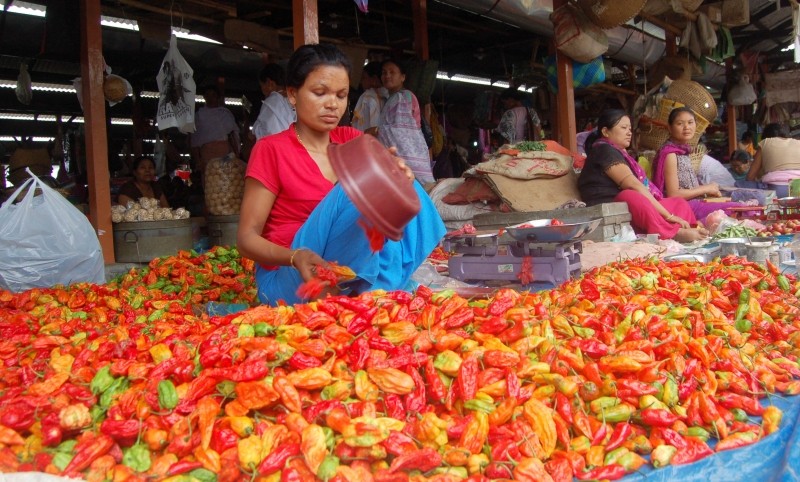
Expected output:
{"points": [[610, 13], [693, 95], [735, 13], [658, 7], [651, 136], [696, 156]]}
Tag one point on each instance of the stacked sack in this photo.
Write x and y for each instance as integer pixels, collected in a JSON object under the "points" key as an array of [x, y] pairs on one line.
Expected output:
{"points": [[654, 131]]}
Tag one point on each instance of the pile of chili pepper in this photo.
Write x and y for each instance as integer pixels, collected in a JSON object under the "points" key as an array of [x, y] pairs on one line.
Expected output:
{"points": [[219, 274], [637, 358]]}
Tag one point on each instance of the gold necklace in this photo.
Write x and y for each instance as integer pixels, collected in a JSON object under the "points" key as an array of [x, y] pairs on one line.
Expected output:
{"points": [[300, 139]]}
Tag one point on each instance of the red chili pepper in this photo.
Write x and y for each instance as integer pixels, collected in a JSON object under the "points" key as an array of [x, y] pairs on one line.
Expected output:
{"points": [[18, 416], [394, 406], [358, 354], [223, 438], [86, 453], [559, 469], [467, 378], [124, 432], [607, 472], [731, 400], [407, 360], [589, 290], [600, 435], [299, 361], [589, 347], [424, 459], [311, 413], [513, 385], [636, 387], [505, 449], [492, 326], [278, 457], [658, 417], [564, 407], [694, 450], [436, 389], [183, 466], [399, 443], [620, 434], [497, 471], [674, 438], [417, 399]]}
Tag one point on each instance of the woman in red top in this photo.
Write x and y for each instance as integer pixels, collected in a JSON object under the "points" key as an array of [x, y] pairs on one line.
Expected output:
{"points": [[295, 216]]}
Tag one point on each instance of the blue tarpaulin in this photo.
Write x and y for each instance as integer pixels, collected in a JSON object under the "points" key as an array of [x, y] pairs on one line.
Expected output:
{"points": [[775, 458]]}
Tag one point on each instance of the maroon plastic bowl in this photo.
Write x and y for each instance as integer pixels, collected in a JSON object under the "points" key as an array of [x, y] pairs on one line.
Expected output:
{"points": [[378, 188]]}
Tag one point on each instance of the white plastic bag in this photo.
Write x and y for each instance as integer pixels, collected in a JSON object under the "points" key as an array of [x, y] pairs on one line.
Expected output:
{"points": [[177, 90], [45, 240], [743, 92]]}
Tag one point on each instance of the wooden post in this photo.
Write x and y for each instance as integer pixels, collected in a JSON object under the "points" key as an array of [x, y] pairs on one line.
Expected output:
{"points": [[565, 98], [420, 13], [94, 113], [671, 48], [730, 110], [305, 22]]}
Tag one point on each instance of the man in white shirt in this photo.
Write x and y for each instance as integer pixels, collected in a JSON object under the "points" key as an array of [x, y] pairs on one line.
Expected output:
{"points": [[217, 133], [367, 112], [276, 114]]}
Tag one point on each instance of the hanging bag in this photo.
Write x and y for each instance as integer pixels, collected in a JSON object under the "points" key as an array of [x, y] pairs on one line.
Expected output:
{"points": [[177, 90], [45, 241], [743, 92]]}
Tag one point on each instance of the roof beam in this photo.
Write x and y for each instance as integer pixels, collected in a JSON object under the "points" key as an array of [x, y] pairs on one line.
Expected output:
{"points": [[170, 13]]}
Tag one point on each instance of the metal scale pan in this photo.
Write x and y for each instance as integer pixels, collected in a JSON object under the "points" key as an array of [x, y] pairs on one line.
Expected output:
{"points": [[540, 230]]}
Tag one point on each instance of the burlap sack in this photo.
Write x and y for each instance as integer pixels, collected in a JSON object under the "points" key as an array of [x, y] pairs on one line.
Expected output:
{"points": [[528, 165]]}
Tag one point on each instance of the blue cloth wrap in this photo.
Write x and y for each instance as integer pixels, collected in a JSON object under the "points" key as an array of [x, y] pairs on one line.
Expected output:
{"points": [[332, 231]]}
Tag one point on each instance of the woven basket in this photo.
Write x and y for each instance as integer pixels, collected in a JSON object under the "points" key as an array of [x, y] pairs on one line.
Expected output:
{"points": [[610, 13], [665, 106], [29, 156], [697, 156], [735, 13], [651, 136], [694, 96], [658, 7]]}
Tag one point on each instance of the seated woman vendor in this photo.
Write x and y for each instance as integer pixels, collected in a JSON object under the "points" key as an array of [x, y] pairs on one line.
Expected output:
{"points": [[777, 160], [612, 175], [295, 216], [672, 168], [143, 184]]}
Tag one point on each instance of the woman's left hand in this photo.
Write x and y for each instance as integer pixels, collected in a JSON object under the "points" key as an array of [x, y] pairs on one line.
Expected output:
{"points": [[401, 164]]}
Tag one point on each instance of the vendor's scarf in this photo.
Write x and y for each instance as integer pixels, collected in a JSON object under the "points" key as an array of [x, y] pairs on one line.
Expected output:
{"points": [[635, 168], [668, 148]]}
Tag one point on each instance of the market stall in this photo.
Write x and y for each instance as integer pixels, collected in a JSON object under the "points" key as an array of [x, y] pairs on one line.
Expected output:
{"points": [[638, 364]]}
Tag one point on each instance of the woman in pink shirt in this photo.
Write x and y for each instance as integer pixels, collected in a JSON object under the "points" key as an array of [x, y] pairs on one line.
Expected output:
{"points": [[295, 215]]}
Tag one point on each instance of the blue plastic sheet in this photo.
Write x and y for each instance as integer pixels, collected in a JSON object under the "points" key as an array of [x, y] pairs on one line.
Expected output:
{"points": [[775, 458]]}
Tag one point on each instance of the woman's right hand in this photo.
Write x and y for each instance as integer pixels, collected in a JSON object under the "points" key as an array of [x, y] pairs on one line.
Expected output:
{"points": [[712, 190], [305, 261], [680, 221]]}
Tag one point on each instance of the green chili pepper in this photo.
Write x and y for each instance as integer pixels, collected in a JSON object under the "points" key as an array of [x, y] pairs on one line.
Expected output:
{"points": [[744, 304], [118, 386], [203, 475], [597, 405], [263, 329], [739, 415], [783, 283], [102, 380], [62, 459], [662, 455], [327, 469], [167, 395], [479, 405], [583, 332], [137, 458], [246, 331], [698, 432]]}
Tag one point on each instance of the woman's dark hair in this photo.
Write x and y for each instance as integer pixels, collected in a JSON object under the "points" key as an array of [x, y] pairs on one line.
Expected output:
{"points": [[673, 114], [273, 72], [310, 56], [747, 136], [140, 159], [511, 93], [400, 65], [775, 129], [608, 119], [373, 69], [741, 156]]}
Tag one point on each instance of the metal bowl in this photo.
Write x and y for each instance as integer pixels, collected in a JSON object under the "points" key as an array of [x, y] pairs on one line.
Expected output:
{"points": [[788, 202], [760, 241], [687, 257]]}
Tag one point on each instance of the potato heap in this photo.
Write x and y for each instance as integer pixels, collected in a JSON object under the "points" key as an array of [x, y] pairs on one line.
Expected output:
{"points": [[224, 185], [146, 209]]}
